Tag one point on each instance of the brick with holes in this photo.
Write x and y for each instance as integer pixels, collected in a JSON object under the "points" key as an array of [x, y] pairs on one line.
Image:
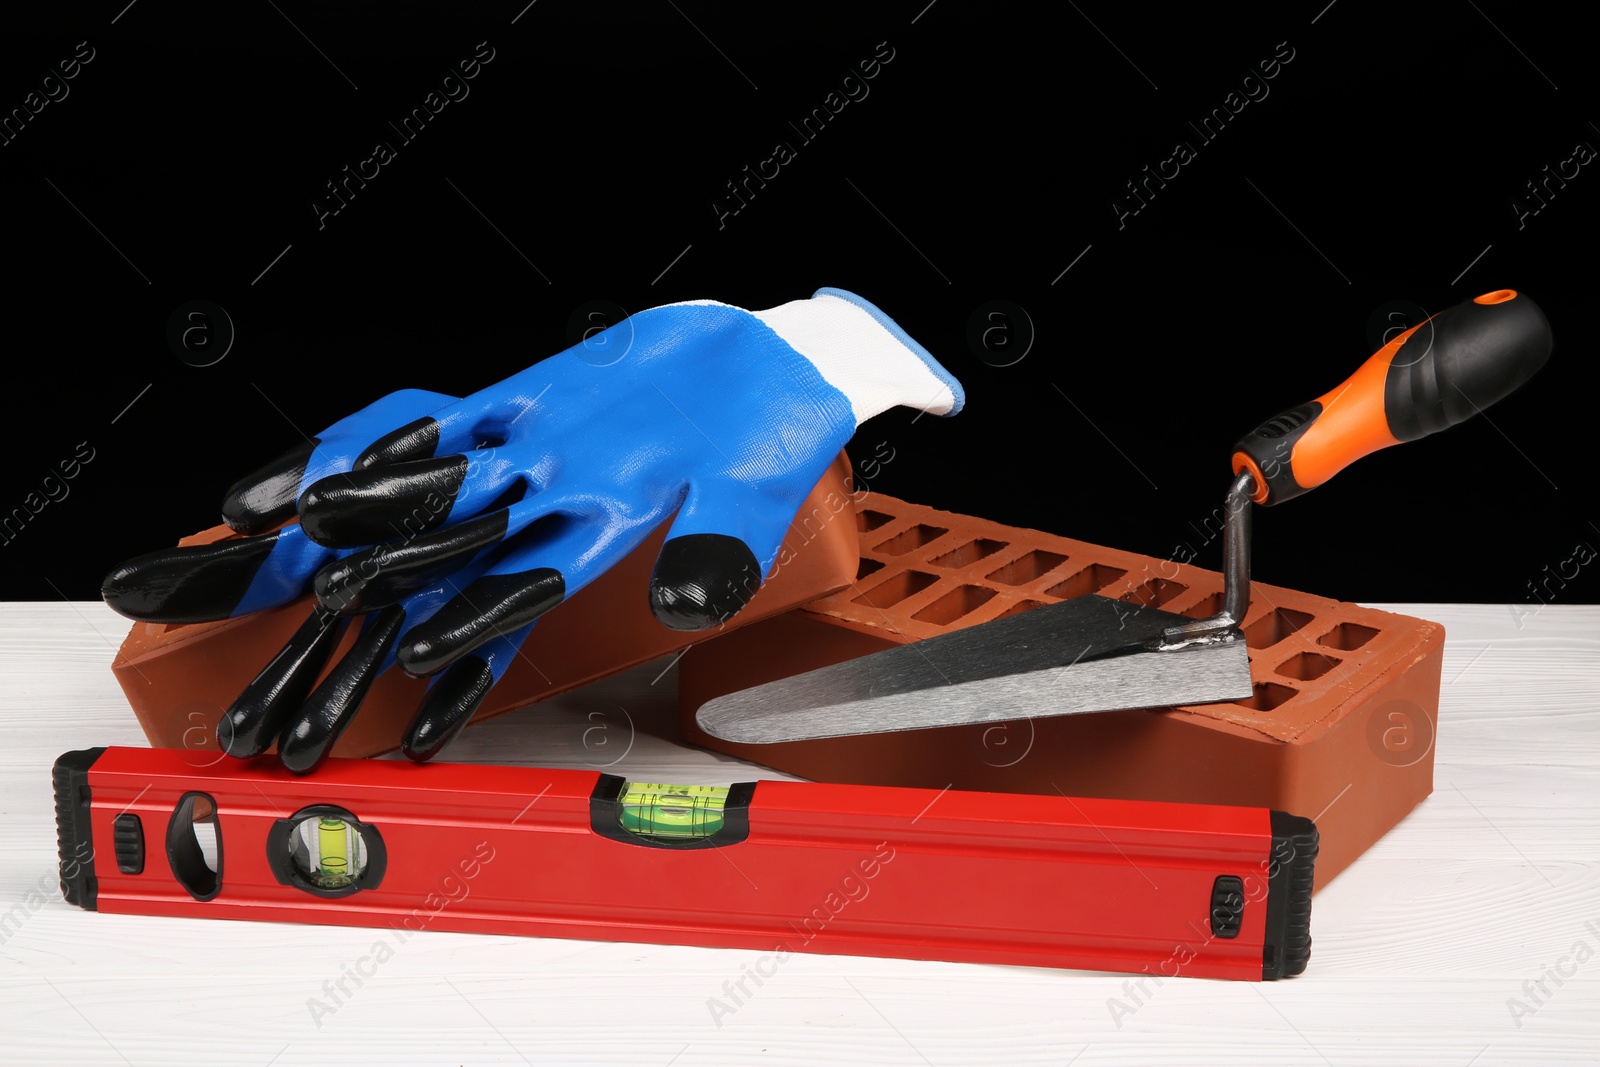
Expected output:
{"points": [[1340, 728]]}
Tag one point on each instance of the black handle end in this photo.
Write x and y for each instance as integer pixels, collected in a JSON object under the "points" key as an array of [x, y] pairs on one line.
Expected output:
{"points": [[1462, 361]]}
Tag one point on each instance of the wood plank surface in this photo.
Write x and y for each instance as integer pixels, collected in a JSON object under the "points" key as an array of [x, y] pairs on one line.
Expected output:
{"points": [[1470, 935]]}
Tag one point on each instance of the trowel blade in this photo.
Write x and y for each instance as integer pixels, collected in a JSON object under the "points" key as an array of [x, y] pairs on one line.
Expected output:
{"points": [[1082, 655]]}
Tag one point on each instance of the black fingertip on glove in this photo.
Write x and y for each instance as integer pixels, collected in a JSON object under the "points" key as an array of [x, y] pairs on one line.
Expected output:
{"points": [[187, 583], [254, 721], [414, 440], [702, 580], [310, 734], [382, 503], [450, 703], [265, 499], [387, 574], [491, 605]]}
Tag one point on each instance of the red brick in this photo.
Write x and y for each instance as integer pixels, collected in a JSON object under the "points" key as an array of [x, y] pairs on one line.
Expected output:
{"points": [[1341, 690]]}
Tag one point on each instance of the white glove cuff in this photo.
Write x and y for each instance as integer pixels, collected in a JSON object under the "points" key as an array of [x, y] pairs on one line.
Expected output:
{"points": [[861, 352]]}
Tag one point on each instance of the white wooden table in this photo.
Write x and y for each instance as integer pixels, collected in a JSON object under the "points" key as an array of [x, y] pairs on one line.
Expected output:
{"points": [[1429, 950]]}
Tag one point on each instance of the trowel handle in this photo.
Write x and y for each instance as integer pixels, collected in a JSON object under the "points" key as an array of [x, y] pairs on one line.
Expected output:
{"points": [[1436, 374]]}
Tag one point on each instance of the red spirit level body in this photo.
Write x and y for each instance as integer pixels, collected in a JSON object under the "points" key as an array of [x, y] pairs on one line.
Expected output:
{"points": [[1169, 889]]}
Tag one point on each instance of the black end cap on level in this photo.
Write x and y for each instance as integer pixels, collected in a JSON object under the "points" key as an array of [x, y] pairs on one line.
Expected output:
{"points": [[1287, 946], [74, 836]]}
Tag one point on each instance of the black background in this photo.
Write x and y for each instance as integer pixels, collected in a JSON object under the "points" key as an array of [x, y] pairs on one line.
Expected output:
{"points": [[982, 163]]}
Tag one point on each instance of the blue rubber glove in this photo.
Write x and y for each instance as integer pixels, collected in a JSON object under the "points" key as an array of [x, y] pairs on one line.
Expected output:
{"points": [[464, 525], [723, 416]]}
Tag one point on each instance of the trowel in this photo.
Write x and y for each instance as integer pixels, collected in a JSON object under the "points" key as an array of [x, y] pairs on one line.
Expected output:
{"points": [[1092, 653]]}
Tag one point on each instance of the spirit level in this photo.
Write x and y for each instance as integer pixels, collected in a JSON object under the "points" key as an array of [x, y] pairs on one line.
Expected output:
{"points": [[1115, 885]]}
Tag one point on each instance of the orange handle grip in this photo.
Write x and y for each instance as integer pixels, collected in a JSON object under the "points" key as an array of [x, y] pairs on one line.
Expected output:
{"points": [[1436, 374]]}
